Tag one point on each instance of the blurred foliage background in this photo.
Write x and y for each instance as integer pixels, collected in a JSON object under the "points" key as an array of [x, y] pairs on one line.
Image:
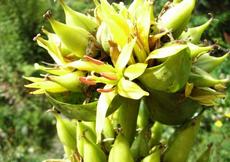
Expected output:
{"points": [[27, 131]]}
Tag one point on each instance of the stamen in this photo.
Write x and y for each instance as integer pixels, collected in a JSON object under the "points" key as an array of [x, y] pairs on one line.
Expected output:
{"points": [[87, 81], [110, 76], [95, 61], [104, 90]]}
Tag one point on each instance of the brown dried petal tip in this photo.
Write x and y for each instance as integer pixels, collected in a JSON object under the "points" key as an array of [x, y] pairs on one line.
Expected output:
{"points": [[36, 37], [48, 14]]}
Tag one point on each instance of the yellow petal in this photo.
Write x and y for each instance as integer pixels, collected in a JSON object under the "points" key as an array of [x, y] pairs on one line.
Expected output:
{"points": [[227, 115], [188, 89], [218, 124]]}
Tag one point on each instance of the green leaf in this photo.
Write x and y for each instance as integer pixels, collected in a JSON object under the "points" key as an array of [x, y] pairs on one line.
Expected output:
{"points": [[171, 75], [86, 112], [167, 51], [125, 55], [130, 89], [135, 70], [115, 104]]}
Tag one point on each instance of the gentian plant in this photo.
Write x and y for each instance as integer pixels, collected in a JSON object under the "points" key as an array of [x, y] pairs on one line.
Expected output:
{"points": [[120, 76]]}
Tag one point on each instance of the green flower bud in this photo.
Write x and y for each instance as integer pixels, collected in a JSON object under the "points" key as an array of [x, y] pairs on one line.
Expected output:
{"points": [[75, 39], [77, 19], [120, 150], [181, 142], [194, 34], [70, 81], [177, 17], [209, 63], [66, 131]]}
